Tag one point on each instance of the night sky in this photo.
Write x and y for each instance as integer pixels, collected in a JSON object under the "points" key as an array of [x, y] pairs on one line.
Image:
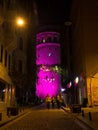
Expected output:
{"points": [[50, 11], [53, 11]]}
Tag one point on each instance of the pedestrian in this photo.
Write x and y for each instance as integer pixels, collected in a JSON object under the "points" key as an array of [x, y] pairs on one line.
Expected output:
{"points": [[53, 101], [48, 101], [59, 101]]}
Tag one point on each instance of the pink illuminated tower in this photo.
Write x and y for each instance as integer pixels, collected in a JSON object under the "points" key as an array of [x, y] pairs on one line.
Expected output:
{"points": [[48, 64]]}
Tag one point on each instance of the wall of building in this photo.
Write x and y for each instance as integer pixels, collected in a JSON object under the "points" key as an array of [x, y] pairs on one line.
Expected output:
{"points": [[84, 37], [13, 58], [7, 44]]}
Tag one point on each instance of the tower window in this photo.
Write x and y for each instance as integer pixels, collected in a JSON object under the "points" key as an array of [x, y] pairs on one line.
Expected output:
{"points": [[9, 62], [56, 39], [20, 66], [49, 39], [1, 53]]}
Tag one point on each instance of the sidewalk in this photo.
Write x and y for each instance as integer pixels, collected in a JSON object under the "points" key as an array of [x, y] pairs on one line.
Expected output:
{"points": [[88, 116], [4, 119]]}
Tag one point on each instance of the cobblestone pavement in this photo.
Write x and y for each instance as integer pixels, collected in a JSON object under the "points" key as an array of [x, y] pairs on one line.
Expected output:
{"points": [[43, 119]]}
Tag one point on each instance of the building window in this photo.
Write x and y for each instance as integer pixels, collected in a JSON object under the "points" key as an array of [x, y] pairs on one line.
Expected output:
{"points": [[9, 62], [5, 57], [20, 43], [1, 53], [20, 66], [1, 3], [10, 4], [2, 91]]}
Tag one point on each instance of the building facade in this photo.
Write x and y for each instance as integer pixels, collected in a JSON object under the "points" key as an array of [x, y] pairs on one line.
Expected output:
{"points": [[13, 54], [7, 45], [84, 48]]}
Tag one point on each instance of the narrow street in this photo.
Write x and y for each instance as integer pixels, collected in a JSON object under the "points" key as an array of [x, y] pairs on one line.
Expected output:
{"points": [[44, 119]]}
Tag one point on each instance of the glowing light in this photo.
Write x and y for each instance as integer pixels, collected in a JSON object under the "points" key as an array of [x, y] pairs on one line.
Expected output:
{"points": [[43, 40], [20, 21], [63, 89], [3, 90], [49, 54], [56, 68], [76, 80], [69, 84]]}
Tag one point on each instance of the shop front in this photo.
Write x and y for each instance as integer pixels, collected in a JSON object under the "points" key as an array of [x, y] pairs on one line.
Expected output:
{"points": [[92, 88]]}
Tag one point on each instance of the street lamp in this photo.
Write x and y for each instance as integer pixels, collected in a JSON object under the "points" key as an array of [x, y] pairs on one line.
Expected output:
{"points": [[20, 22]]}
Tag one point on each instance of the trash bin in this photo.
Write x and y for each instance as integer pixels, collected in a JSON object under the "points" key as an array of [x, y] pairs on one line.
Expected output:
{"points": [[76, 108], [85, 101], [12, 111]]}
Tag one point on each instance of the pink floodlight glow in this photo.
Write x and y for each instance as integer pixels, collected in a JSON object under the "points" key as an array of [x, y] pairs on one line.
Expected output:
{"points": [[48, 54], [47, 61], [47, 83], [69, 85]]}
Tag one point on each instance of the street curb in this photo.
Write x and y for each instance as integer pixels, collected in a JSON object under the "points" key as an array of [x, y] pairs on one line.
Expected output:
{"points": [[82, 120], [13, 118]]}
